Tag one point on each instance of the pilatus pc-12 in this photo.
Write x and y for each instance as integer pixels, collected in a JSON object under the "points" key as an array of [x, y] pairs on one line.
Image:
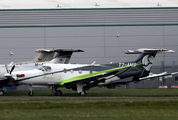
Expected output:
{"points": [[54, 56], [82, 77]]}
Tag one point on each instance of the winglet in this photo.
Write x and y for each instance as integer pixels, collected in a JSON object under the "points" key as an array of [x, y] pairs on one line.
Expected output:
{"points": [[93, 63], [11, 63]]}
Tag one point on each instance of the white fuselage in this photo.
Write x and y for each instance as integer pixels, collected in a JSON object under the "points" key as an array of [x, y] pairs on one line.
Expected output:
{"points": [[55, 75]]}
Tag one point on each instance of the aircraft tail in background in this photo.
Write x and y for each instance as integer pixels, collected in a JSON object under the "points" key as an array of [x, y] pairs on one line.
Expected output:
{"points": [[63, 55], [146, 58], [54, 56]]}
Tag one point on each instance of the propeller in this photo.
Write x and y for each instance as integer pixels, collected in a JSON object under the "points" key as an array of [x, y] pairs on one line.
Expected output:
{"points": [[10, 70], [9, 76]]}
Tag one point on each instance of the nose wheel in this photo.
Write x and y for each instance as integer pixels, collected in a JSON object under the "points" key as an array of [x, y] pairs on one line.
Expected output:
{"points": [[1, 92], [30, 93]]}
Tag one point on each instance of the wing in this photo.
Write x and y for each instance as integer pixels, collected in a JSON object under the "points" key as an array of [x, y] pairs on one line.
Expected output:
{"points": [[122, 81], [152, 76], [163, 74], [87, 79]]}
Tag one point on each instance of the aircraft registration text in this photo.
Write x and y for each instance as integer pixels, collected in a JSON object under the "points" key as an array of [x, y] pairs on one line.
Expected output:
{"points": [[127, 64]]}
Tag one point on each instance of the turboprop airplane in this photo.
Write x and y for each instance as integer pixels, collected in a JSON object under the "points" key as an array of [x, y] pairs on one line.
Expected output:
{"points": [[81, 77], [62, 57], [113, 81]]}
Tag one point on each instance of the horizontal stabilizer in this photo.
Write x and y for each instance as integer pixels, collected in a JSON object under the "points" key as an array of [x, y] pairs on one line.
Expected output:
{"points": [[68, 50], [58, 50], [43, 50], [147, 50]]}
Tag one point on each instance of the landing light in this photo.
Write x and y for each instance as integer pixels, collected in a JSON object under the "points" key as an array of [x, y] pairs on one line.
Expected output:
{"points": [[20, 75]]}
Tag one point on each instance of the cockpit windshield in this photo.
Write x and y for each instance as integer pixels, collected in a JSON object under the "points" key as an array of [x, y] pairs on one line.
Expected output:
{"points": [[44, 68], [40, 67]]}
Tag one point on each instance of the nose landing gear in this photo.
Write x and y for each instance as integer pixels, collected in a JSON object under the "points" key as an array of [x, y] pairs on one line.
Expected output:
{"points": [[31, 92], [1, 92]]}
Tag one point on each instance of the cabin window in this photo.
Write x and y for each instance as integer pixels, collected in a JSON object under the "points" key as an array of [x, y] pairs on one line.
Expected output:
{"points": [[80, 71], [65, 70]]}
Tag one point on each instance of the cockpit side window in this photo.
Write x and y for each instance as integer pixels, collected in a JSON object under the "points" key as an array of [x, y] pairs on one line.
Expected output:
{"points": [[44, 68], [47, 68]]}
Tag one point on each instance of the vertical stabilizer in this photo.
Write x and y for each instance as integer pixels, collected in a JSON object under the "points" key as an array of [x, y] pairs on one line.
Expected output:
{"points": [[63, 55], [42, 56]]}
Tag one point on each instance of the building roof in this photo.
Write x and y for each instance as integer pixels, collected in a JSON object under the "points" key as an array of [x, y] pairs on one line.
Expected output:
{"points": [[52, 4]]}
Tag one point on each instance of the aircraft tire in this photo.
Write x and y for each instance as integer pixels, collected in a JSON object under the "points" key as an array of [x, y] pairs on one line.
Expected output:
{"points": [[58, 93], [2, 92], [82, 93], [30, 93]]}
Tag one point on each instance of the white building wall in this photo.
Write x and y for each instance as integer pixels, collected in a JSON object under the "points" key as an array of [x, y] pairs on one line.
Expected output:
{"points": [[93, 30]]}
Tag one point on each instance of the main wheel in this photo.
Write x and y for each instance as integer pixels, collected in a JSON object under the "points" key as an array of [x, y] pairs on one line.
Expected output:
{"points": [[58, 93], [1, 92], [82, 93], [30, 93]]}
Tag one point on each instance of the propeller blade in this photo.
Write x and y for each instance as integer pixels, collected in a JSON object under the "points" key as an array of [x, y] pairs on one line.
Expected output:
{"points": [[6, 68], [12, 69]]}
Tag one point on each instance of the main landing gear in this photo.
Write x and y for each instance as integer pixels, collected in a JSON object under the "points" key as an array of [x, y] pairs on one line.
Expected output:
{"points": [[82, 93], [56, 91], [80, 89]]}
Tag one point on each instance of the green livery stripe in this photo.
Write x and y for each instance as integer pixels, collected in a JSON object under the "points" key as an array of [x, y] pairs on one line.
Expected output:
{"points": [[90, 75]]}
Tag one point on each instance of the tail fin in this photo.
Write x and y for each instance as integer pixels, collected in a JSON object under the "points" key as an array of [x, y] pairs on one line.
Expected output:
{"points": [[63, 55], [43, 55], [146, 58]]}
